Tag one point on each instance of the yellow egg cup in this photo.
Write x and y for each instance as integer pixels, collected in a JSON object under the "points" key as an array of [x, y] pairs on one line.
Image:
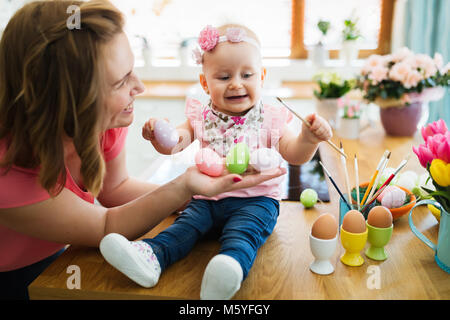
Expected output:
{"points": [[353, 243]]}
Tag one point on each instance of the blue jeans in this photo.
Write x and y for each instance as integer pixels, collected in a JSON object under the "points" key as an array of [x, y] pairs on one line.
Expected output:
{"points": [[246, 223], [14, 284]]}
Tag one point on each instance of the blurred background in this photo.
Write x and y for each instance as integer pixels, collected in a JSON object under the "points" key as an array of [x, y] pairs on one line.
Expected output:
{"points": [[300, 40]]}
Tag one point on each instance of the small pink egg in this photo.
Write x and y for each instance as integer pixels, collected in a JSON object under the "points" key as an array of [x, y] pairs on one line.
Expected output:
{"points": [[166, 134], [392, 197], [209, 162]]}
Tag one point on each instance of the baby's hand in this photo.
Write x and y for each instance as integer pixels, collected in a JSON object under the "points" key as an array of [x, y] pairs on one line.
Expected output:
{"points": [[320, 129]]}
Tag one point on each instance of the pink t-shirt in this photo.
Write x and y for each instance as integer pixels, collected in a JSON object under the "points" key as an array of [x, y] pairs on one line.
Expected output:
{"points": [[261, 127], [20, 187]]}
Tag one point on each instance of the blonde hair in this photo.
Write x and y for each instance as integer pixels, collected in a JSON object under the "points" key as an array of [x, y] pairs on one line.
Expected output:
{"points": [[51, 84]]}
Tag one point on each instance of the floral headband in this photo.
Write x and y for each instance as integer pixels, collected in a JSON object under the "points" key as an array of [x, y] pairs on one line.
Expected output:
{"points": [[209, 38]]}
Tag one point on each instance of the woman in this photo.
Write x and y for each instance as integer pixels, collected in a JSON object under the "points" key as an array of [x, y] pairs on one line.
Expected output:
{"points": [[66, 99]]}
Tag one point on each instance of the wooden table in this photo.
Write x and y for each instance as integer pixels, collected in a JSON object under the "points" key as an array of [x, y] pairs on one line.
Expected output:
{"points": [[281, 269]]}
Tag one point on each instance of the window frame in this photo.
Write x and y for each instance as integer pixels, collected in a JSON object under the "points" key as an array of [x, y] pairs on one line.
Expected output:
{"points": [[299, 51]]}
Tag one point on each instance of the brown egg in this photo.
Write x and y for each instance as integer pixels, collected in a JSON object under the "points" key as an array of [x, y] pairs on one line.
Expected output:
{"points": [[379, 217], [354, 222], [325, 227]]}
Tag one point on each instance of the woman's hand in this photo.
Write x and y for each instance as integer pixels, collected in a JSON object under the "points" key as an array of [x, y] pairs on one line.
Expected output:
{"points": [[148, 133], [202, 184]]}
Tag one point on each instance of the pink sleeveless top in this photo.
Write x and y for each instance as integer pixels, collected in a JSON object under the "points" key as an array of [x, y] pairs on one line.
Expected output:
{"points": [[261, 127], [20, 187]]}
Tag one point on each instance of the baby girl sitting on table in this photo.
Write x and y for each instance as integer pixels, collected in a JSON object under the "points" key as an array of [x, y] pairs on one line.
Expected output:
{"points": [[233, 77]]}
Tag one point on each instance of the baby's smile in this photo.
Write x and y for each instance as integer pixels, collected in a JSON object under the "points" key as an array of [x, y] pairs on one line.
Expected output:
{"points": [[237, 98]]}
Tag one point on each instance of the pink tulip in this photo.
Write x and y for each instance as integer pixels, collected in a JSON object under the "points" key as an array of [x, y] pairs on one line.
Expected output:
{"points": [[424, 154], [441, 146], [434, 128]]}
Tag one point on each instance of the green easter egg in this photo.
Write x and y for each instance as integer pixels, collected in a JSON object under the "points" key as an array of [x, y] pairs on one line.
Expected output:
{"points": [[237, 158], [309, 198]]}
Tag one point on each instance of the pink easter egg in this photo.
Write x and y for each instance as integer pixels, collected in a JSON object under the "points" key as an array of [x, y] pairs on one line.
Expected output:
{"points": [[166, 134], [392, 197], [209, 162]]}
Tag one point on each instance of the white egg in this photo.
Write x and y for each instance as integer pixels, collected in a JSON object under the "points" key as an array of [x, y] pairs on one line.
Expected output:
{"points": [[166, 134], [264, 159], [406, 181]]}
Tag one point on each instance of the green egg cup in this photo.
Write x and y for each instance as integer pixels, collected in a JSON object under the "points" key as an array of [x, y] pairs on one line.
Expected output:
{"points": [[378, 238]]}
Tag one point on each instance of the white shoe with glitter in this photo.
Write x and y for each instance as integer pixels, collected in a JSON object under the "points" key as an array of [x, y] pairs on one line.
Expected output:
{"points": [[222, 278], [135, 259]]}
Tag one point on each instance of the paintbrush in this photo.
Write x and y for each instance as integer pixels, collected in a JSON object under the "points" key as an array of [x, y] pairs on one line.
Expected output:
{"points": [[335, 186], [380, 174], [369, 187], [357, 182], [386, 183], [309, 126], [347, 180]]}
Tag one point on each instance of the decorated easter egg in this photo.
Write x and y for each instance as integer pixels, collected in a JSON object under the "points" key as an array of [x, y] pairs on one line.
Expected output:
{"points": [[265, 159], [354, 222], [379, 217], [166, 134], [392, 197], [209, 162], [237, 158], [407, 180], [308, 198], [325, 227]]}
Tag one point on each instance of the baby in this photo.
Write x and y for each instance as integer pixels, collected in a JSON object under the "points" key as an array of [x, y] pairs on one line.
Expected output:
{"points": [[233, 77]]}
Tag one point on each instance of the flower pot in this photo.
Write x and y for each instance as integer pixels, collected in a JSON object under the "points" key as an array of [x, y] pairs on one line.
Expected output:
{"points": [[401, 120], [349, 52], [328, 109], [318, 55], [349, 128], [148, 56]]}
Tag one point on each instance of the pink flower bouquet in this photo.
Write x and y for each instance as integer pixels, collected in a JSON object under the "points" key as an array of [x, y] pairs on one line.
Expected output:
{"points": [[351, 109], [403, 77], [434, 155]]}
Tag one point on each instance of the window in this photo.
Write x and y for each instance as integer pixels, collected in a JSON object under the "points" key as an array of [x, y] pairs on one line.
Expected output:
{"points": [[286, 28], [374, 21], [167, 23]]}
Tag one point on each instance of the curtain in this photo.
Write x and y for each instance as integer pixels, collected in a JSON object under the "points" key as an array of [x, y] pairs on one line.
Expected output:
{"points": [[427, 26]]}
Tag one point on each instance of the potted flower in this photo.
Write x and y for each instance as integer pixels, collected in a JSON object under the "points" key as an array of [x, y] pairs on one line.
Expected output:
{"points": [[319, 53], [349, 121], [146, 50], [350, 35], [331, 88], [401, 84], [434, 155]]}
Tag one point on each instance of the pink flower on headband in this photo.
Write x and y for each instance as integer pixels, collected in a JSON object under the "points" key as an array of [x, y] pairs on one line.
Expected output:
{"points": [[208, 39], [235, 34]]}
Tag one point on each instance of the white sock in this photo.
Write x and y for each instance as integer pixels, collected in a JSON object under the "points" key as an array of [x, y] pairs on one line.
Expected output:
{"points": [[135, 259], [222, 278]]}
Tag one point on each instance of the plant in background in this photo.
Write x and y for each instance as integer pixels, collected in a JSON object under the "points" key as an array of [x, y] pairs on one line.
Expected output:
{"points": [[403, 76], [350, 31], [351, 109], [331, 85], [434, 155], [323, 26]]}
